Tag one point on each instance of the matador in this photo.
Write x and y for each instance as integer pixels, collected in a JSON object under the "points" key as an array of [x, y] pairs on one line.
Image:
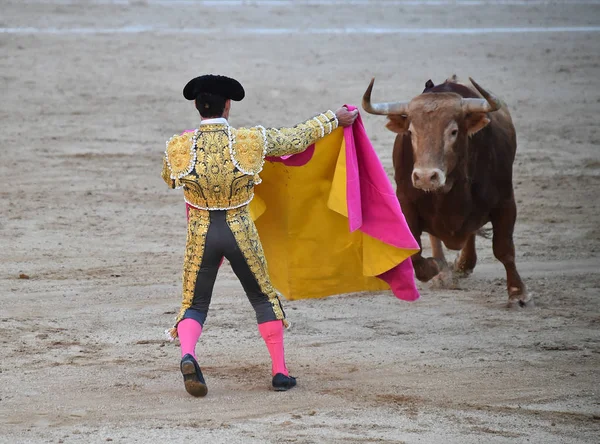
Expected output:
{"points": [[217, 166]]}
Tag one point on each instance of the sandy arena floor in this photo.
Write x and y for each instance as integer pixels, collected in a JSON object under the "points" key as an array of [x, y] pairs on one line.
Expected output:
{"points": [[90, 92]]}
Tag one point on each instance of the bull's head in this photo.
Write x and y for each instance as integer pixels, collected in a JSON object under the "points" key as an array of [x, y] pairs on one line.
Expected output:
{"points": [[439, 125]]}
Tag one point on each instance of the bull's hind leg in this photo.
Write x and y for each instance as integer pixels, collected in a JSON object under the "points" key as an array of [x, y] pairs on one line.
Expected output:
{"points": [[503, 222], [465, 263]]}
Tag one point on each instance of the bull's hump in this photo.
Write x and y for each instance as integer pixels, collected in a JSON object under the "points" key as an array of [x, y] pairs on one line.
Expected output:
{"points": [[454, 87]]}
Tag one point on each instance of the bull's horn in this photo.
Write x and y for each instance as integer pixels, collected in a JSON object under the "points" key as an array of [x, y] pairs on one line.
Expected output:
{"points": [[487, 105], [383, 109]]}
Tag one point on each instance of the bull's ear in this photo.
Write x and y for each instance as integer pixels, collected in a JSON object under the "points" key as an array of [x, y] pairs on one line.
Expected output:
{"points": [[397, 124], [476, 122]]}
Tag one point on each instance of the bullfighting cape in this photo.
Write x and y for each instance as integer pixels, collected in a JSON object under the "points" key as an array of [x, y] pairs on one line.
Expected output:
{"points": [[330, 222]]}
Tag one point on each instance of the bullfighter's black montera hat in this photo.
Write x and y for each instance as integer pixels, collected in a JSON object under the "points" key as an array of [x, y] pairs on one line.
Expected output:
{"points": [[212, 84]]}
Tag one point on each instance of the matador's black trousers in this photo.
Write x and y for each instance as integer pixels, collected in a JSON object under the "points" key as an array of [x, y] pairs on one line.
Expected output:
{"points": [[220, 242]]}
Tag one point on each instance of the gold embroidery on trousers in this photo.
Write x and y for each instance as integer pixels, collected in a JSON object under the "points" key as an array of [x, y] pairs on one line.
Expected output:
{"points": [[194, 251], [246, 235]]}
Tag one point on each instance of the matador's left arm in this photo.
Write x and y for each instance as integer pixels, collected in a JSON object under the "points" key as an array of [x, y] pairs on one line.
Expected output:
{"points": [[166, 175], [286, 141], [179, 159]]}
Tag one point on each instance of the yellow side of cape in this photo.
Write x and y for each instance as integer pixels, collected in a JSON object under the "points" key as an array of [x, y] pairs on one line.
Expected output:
{"points": [[302, 219]]}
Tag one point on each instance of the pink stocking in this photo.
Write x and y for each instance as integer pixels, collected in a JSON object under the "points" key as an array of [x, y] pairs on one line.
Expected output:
{"points": [[272, 333], [189, 332]]}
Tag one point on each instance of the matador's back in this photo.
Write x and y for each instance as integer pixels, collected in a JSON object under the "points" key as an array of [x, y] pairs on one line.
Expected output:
{"points": [[218, 165]]}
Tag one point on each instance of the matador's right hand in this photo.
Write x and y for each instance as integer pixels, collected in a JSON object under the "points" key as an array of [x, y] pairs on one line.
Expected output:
{"points": [[345, 117]]}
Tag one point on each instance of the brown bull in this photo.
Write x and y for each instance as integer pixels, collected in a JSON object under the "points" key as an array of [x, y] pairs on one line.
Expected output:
{"points": [[453, 158]]}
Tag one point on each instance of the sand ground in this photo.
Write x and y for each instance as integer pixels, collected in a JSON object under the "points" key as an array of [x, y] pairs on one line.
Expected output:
{"points": [[90, 92]]}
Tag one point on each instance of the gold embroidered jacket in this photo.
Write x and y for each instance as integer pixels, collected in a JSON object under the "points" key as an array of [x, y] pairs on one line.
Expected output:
{"points": [[217, 165]]}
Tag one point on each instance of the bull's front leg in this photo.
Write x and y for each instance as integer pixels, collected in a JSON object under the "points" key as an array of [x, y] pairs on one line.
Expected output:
{"points": [[465, 263], [425, 268], [437, 251], [503, 221]]}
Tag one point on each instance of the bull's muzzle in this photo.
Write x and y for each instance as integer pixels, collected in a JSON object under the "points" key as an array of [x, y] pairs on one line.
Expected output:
{"points": [[428, 179]]}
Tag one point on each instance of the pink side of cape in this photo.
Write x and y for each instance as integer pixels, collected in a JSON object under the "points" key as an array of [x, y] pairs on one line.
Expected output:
{"points": [[373, 207]]}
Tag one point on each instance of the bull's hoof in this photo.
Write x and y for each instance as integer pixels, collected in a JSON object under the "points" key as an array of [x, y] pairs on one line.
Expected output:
{"points": [[518, 298], [425, 275], [445, 280], [463, 269], [427, 269], [461, 272]]}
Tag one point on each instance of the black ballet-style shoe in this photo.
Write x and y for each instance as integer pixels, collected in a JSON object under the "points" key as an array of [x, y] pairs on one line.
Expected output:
{"points": [[192, 377], [281, 383]]}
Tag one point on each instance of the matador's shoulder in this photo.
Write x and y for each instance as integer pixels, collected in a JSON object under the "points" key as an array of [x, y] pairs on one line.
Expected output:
{"points": [[254, 137], [180, 154], [249, 147]]}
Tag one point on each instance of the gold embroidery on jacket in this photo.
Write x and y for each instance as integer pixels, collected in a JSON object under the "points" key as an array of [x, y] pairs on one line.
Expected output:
{"points": [[166, 173], [248, 149], [220, 171], [180, 155], [215, 182], [285, 141]]}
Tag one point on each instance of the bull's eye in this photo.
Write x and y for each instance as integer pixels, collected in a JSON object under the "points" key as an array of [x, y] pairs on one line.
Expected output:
{"points": [[454, 133]]}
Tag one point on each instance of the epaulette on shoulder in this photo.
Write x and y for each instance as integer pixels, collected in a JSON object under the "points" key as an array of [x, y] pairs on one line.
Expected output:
{"points": [[181, 154], [249, 148]]}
